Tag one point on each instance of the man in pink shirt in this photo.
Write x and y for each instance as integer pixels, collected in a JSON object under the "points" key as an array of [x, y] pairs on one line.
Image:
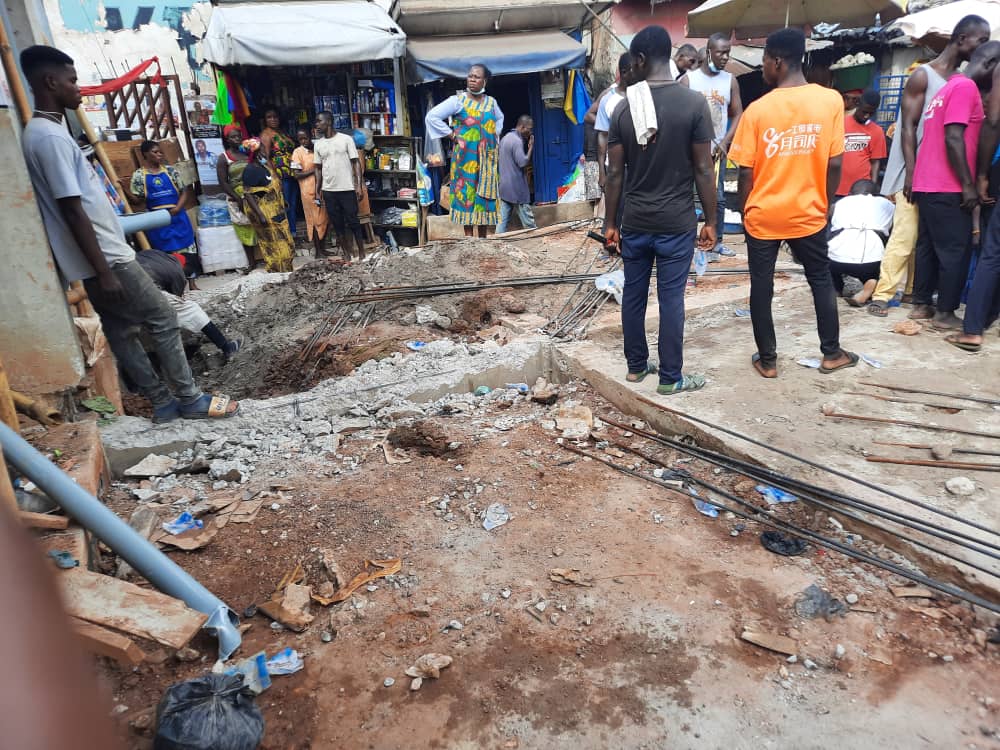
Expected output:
{"points": [[945, 190]]}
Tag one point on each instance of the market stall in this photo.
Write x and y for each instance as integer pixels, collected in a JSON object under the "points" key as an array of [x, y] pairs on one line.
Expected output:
{"points": [[341, 57]]}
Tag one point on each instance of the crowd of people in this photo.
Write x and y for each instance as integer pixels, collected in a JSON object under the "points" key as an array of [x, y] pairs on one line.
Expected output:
{"points": [[810, 164], [811, 177]]}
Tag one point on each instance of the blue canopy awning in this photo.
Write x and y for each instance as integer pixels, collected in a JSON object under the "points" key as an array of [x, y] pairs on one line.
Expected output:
{"points": [[439, 57]]}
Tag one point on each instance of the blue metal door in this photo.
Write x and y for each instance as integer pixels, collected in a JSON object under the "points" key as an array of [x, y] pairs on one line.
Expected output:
{"points": [[557, 143]]}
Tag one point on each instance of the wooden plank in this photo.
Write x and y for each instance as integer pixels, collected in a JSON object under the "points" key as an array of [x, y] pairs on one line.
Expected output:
{"points": [[43, 520], [73, 540], [126, 607], [772, 642], [105, 642]]}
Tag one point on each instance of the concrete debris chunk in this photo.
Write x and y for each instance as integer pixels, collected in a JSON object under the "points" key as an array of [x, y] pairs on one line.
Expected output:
{"points": [[152, 465], [961, 486], [429, 666]]}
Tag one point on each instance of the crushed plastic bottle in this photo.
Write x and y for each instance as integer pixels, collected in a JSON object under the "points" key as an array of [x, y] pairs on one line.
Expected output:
{"points": [[773, 495], [809, 362], [521, 388], [700, 262], [184, 522], [496, 515], [702, 506], [871, 361], [286, 661]]}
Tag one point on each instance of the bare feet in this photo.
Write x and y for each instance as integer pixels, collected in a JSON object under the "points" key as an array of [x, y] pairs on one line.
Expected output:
{"points": [[947, 321], [859, 299], [922, 312]]}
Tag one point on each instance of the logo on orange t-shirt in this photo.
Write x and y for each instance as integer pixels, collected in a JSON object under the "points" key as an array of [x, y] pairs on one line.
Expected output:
{"points": [[798, 139]]}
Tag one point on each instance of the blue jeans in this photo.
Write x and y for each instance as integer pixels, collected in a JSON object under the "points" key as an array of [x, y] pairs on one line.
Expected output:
{"points": [[672, 253], [144, 307], [983, 304], [290, 190], [524, 213]]}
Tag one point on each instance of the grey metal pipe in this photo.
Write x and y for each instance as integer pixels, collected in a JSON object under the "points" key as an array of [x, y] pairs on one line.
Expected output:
{"points": [[138, 552], [132, 223]]}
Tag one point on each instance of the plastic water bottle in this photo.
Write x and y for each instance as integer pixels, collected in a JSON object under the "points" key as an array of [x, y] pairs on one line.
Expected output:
{"points": [[700, 262]]}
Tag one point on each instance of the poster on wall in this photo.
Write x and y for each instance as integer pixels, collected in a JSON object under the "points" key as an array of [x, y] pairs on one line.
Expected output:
{"points": [[207, 141]]}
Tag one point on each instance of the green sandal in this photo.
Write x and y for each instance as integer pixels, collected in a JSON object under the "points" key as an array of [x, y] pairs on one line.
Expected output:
{"points": [[686, 383], [638, 377]]}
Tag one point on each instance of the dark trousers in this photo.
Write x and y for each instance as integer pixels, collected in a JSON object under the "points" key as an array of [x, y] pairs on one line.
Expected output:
{"points": [[811, 252], [672, 253], [944, 248], [983, 304], [144, 306], [720, 211], [290, 192], [861, 271], [342, 207]]}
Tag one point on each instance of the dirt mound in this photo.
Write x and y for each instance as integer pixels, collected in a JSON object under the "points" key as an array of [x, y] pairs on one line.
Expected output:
{"points": [[275, 320]]}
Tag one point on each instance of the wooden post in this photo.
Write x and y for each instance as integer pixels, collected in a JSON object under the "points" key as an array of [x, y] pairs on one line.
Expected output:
{"points": [[102, 157], [14, 77]]}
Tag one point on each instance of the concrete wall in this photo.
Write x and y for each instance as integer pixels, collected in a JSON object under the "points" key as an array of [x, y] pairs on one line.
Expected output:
{"points": [[38, 343]]}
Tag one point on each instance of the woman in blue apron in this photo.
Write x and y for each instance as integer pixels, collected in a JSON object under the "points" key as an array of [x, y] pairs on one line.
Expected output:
{"points": [[159, 185]]}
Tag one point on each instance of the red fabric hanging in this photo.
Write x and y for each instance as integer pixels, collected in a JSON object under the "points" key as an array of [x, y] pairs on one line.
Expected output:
{"points": [[122, 81]]}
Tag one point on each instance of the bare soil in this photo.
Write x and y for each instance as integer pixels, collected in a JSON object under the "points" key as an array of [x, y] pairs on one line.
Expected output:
{"points": [[649, 655]]}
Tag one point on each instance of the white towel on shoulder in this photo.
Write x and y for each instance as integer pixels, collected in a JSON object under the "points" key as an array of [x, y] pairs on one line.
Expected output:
{"points": [[640, 104]]}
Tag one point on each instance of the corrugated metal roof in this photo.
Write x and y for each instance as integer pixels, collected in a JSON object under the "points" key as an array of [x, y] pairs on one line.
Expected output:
{"points": [[459, 17]]}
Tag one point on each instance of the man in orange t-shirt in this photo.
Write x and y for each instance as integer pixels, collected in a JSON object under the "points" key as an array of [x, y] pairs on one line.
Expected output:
{"points": [[788, 146], [864, 144]]}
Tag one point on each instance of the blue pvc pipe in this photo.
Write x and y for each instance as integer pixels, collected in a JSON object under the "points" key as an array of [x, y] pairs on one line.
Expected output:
{"points": [[137, 551], [132, 223]]}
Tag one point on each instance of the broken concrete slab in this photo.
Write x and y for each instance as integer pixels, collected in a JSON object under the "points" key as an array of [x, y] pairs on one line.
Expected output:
{"points": [[153, 465], [128, 440], [123, 606]]}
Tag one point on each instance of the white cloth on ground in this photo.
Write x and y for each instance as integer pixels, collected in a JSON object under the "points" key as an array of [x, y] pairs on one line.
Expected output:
{"points": [[856, 222], [640, 104], [189, 313]]}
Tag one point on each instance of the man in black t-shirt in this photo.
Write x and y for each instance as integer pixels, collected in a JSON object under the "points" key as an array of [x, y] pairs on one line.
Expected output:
{"points": [[658, 221]]}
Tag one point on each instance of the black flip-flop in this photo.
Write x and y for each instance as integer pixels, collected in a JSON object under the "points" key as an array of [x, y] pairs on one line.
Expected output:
{"points": [[878, 308], [852, 360], [965, 346]]}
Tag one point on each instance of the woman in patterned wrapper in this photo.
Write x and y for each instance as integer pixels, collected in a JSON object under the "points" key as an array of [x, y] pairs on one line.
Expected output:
{"points": [[475, 171]]}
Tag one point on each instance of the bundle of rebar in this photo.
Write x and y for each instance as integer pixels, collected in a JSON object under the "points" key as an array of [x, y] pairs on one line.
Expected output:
{"points": [[947, 542], [393, 293]]}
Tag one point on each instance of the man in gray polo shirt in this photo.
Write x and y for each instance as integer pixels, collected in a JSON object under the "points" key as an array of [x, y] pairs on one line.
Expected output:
{"points": [[89, 245]]}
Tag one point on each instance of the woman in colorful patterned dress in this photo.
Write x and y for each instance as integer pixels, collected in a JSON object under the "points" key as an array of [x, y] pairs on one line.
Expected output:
{"points": [[475, 173], [277, 148]]}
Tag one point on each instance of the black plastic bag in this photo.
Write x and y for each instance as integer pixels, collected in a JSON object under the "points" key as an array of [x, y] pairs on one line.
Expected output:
{"points": [[213, 712]]}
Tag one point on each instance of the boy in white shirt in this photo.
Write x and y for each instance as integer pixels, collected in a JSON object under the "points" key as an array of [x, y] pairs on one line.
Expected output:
{"points": [[860, 225]]}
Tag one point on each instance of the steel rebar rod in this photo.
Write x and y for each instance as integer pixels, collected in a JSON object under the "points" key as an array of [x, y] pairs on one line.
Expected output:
{"points": [[923, 446], [799, 486], [833, 509], [815, 464], [906, 389], [755, 513], [934, 463]]}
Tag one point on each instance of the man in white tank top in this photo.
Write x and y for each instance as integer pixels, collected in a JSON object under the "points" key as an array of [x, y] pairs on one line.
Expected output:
{"points": [[922, 85], [722, 93]]}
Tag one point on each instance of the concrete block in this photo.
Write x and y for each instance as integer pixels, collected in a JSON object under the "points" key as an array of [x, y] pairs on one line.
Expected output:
{"points": [[128, 440]]}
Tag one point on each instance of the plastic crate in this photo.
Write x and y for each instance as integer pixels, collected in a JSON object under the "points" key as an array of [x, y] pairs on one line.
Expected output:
{"points": [[891, 89]]}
